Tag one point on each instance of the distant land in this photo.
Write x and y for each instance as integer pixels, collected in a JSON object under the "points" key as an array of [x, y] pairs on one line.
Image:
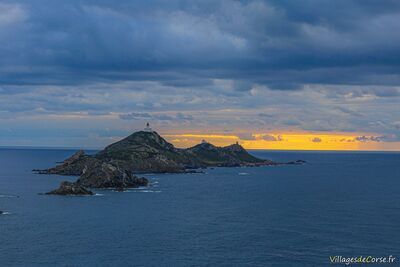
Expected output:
{"points": [[146, 152]]}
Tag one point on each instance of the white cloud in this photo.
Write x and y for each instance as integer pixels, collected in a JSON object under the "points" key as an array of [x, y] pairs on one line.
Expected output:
{"points": [[11, 13]]}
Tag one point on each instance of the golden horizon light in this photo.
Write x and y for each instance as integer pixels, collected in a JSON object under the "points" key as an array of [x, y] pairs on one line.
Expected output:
{"points": [[291, 141]]}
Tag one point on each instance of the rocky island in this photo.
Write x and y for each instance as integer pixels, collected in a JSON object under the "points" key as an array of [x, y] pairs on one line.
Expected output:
{"points": [[144, 152], [68, 188]]}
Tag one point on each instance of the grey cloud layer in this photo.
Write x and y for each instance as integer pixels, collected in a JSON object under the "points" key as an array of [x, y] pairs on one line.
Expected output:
{"points": [[161, 117], [283, 44], [311, 65]]}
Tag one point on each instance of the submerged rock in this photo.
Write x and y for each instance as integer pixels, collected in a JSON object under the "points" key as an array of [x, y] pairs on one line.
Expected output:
{"points": [[297, 162], [68, 188]]}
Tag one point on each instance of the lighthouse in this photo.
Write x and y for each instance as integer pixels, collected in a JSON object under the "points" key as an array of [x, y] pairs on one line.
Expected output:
{"points": [[148, 128]]}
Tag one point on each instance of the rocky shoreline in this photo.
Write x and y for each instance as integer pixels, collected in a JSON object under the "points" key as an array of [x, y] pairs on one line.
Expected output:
{"points": [[68, 188], [145, 152]]}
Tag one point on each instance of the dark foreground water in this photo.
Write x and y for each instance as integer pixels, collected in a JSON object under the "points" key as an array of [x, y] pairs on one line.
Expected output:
{"points": [[338, 204]]}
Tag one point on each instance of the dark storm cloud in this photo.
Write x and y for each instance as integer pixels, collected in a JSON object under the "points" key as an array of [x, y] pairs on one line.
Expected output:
{"points": [[282, 44], [313, 65]]}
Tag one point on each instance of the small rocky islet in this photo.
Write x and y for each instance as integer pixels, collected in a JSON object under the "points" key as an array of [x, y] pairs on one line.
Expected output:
{"points": [[69, 188], [144, 152]]}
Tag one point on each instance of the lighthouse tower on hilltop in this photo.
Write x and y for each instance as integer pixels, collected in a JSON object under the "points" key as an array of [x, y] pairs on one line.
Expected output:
{"points": [[148, 128]]}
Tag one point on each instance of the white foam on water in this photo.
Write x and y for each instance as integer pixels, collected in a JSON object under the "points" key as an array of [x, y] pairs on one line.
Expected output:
{"points": [[243, 173], [5, 213], [142, 189], [98, 195], [139, 188], [8, 196]]}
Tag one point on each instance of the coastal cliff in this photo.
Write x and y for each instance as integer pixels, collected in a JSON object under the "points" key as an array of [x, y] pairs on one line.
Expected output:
{"points": [[147, 152]]}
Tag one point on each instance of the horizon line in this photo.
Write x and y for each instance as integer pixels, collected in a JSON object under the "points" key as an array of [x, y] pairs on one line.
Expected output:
{"points": [[253, 149]]}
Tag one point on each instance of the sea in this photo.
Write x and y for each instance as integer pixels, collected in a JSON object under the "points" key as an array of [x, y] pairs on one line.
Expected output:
{"points": [[337, 204]]}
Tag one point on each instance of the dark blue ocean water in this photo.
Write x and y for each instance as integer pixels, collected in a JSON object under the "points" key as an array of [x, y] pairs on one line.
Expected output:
{"points": [[338, 204]]}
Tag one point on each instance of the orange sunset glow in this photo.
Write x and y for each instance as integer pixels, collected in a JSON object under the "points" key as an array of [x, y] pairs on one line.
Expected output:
{"points": [[291, 141]]}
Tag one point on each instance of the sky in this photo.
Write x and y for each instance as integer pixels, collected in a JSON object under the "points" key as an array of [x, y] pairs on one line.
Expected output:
{"points": [[278, 74]]}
